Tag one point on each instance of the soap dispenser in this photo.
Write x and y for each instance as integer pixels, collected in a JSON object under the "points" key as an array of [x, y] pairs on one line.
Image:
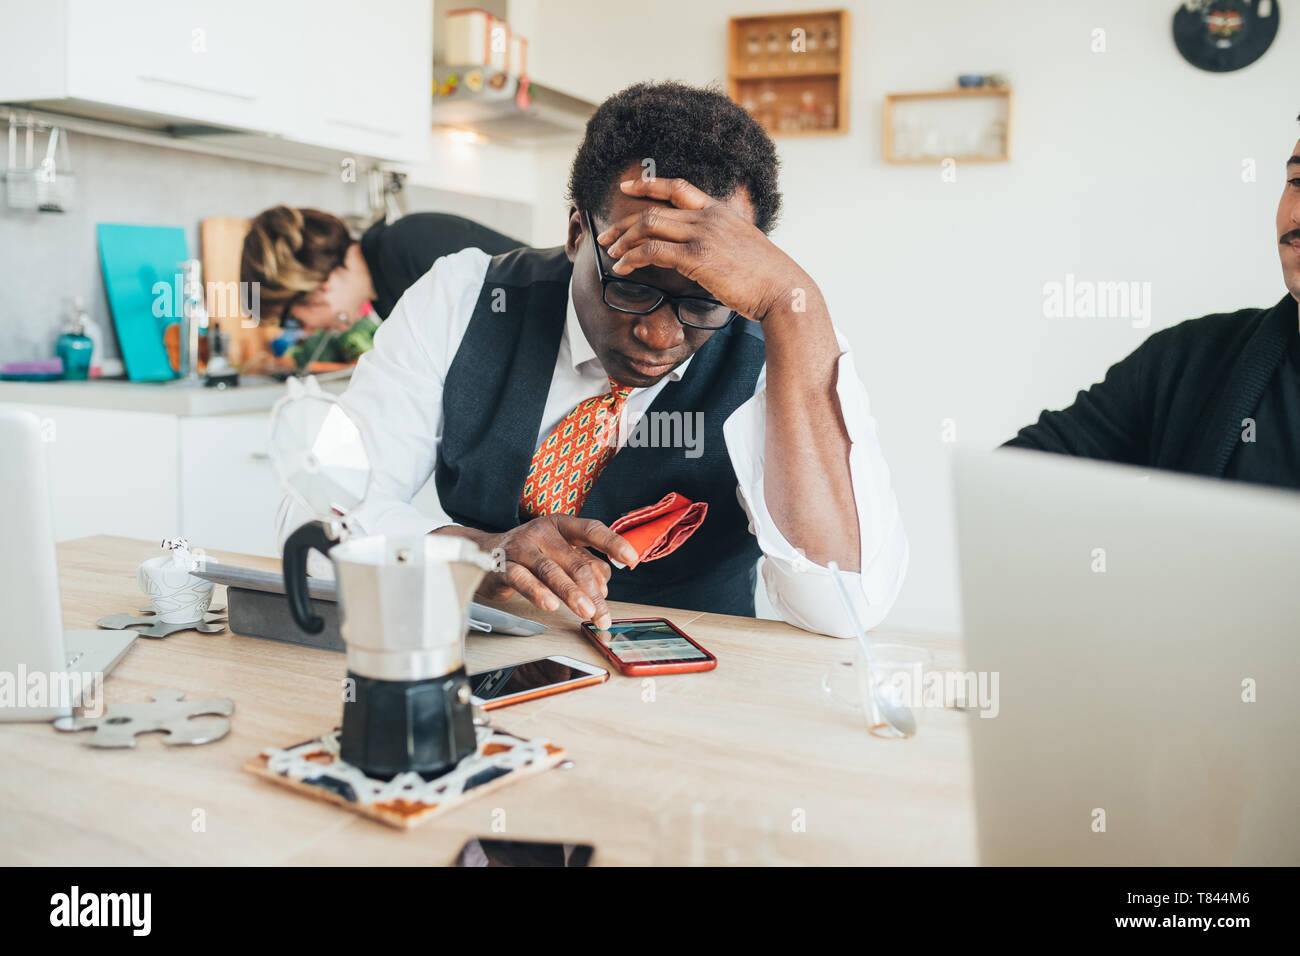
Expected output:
{"points": [[75, 347]]}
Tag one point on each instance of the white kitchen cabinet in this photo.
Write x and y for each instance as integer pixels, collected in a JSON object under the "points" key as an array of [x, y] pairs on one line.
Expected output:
{"points": [[347, 76], [230, 491], [111, 472], [229, 488], [373, 91], [154, 475], [196, 60]]}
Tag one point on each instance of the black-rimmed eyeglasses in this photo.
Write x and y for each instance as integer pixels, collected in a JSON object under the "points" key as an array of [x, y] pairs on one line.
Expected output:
{"points": [[297, 299], [637, 298]]}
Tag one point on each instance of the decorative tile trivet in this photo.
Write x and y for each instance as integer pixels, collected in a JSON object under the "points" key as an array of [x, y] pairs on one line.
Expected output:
{"points": [[314, 769], [214, 622], [168, 713]]}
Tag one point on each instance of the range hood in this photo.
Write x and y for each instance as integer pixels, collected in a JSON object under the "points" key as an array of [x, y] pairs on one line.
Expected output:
{"points": [[150, 129], [506, 108]]}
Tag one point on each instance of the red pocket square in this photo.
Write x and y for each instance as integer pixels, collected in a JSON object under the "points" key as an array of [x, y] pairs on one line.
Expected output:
{"points": [[659, 529]]}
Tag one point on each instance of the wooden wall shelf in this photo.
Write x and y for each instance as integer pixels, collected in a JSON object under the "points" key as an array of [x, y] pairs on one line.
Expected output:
{"points": [[794, 84], [928, 154]]}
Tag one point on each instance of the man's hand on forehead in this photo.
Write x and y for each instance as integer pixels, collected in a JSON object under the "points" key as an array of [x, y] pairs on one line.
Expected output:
{"points": [[676, 192], [707, 241]]}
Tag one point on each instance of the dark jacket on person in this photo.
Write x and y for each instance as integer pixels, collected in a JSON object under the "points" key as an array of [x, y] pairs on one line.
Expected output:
{"points": [[1180, 400], [493, 399], [399, 253]]}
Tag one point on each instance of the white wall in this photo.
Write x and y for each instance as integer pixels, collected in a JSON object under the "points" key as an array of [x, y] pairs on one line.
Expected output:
{"points": [[1127, 166]]}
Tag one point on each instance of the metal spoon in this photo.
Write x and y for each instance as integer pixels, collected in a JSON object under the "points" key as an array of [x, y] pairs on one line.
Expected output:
{"points": [[900, 719]]}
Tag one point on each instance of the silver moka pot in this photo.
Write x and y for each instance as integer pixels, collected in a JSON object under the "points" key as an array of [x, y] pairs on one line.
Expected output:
{"points": [[403, 600]]}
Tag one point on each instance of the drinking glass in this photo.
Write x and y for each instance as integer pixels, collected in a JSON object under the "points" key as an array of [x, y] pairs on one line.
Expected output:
{"points": [[896, 675]]}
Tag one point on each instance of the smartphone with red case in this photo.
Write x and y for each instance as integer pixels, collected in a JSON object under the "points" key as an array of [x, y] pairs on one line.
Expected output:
{"points": [[649, 645]]}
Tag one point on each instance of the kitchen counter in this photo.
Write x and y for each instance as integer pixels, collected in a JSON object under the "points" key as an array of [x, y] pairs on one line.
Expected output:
{"points": [[160, 459], [166, 398]]}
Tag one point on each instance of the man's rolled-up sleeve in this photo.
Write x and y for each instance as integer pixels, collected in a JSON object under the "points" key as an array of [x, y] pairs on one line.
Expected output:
{"points": [[803, 593]]}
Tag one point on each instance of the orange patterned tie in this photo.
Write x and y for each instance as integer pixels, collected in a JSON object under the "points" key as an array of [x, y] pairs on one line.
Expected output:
{"points": [[567, 464]]}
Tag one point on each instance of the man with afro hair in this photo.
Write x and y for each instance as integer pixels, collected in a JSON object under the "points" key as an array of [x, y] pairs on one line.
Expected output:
{"points": [[669, 346]]}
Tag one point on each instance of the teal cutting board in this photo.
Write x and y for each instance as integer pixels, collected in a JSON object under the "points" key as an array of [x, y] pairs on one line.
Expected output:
{"points": [[143, 284]]}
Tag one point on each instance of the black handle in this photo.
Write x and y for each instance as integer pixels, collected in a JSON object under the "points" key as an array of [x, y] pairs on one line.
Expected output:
{"points": [[312, 535]]}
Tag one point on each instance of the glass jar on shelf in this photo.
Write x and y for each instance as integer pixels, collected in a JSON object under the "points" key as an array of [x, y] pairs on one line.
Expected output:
{"points": [[831, 47], [766, 115], [774, 47], [994, 143], [827, 120], [807, 110], [753, 51]]}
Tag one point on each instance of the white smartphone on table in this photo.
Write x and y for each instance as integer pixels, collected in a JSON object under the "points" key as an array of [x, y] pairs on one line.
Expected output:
{"points": [[515, 683]]}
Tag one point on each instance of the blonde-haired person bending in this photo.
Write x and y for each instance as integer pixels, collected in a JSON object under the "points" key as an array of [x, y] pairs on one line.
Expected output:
{"points": [[310, 268]]}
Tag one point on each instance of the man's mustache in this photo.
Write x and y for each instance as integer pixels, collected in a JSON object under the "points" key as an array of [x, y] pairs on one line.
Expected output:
{"points": [[1290, 237]]}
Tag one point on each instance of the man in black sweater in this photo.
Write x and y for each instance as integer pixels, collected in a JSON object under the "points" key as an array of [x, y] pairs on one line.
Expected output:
{"points": [[1217, 396]]}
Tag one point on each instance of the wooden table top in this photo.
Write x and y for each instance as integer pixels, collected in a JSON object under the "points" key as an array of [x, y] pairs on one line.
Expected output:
{"points": [[747, 764]]}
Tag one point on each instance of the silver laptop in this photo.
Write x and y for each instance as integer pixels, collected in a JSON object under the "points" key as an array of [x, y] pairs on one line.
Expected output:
{"points": [[1146, 632], [44, 670]]}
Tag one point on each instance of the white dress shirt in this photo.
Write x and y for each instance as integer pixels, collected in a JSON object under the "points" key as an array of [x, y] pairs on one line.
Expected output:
{"points": [[396, 397]]}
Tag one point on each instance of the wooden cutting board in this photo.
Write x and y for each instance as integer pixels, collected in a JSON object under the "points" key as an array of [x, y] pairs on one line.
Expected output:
{"points": [[221, 241]]}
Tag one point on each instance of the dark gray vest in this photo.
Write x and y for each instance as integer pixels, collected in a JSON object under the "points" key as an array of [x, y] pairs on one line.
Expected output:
{"points": [[492, 407]]}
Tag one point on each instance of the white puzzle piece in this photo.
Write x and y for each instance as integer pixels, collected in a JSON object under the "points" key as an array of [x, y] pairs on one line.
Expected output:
{"points": [[168, 713]]}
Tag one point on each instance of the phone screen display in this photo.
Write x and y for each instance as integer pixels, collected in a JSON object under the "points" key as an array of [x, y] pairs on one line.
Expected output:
{"points": [[649, 642], [484, 852], [521, 678]]}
